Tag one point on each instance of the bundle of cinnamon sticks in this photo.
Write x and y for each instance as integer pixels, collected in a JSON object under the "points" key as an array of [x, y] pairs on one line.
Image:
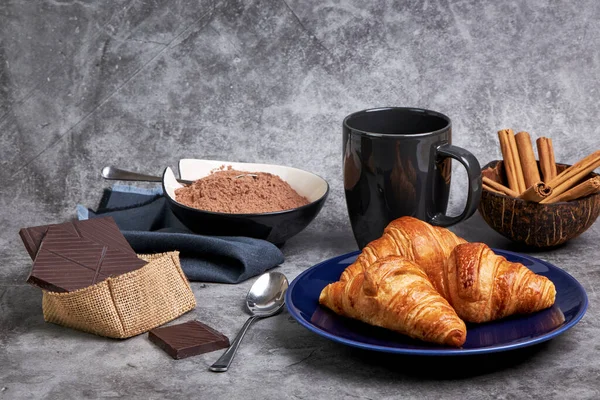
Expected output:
{"points": [[541, 184]]}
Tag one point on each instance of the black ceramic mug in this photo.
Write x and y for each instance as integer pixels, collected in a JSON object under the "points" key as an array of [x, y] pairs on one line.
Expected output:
{"points": [[397, 163]]}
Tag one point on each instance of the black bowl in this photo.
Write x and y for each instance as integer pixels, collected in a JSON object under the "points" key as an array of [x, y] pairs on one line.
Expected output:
{"points": [[275, 227]]}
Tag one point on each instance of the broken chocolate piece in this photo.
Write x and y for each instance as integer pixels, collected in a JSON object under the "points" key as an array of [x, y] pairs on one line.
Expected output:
{"points": [[188, 339], [65, 262], [103, 230]]}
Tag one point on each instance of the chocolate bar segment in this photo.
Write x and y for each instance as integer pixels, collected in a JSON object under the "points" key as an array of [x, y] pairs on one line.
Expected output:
{"points": [[57, 274], [32, 238], [65, 262], [188, 339], [102, 230]]}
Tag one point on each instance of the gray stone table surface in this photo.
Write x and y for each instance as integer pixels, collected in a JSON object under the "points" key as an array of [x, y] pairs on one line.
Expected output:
{"points": [[140, 84]]}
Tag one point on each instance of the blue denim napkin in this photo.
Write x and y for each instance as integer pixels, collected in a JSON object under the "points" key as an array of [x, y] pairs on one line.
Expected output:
{"points": [[146, 221]]}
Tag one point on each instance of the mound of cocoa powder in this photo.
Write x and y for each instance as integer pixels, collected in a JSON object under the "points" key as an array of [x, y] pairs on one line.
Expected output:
{"points": [[240, 192]]}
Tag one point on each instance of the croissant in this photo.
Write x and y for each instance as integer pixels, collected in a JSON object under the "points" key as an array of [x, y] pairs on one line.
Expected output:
{"points": [[396, 294], [428, 246], [482, 286]]}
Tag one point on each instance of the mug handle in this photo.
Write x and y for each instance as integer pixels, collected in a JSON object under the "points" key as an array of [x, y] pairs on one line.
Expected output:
{"points": [[473, 168]]}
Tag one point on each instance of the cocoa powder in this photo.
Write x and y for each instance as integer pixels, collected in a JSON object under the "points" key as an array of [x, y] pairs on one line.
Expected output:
{"points": [[240, 192]]}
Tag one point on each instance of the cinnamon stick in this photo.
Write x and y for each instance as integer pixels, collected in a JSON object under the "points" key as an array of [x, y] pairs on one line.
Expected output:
{"points": [[585, 188], [489, 189], [512, 164], [519, 170], [546, 156], [536, 192], [509, 167], [570, 176], [494, 186], [528, 162]]}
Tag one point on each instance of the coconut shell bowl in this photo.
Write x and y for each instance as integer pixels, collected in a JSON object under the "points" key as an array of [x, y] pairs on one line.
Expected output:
{"points": [[534, 224]]}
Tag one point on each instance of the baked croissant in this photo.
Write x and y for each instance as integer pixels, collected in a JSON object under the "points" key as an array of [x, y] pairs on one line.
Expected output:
{"points": [[482, 286], [428, 246], [396, 294]]}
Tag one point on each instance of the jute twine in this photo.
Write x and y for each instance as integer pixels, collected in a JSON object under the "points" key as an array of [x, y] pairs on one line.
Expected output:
{"points": [[128, 304]]}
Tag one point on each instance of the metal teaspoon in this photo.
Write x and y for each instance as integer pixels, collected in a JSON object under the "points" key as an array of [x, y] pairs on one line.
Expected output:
{"points": [[265, 299]]}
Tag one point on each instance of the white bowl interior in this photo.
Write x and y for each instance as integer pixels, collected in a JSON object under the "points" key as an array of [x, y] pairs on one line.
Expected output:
{"points": [[305, 183]]}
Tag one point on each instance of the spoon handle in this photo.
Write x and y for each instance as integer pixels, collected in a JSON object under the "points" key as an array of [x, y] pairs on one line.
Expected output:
{"points": [[117, 174], [222, 364]]}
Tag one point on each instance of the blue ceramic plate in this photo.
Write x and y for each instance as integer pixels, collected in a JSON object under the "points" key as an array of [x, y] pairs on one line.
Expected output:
{"points": [[302, 299]]}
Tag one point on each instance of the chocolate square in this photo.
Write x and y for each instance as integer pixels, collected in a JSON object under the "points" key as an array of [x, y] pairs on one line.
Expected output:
{"points": [[103, 230], [65, 262], [57, 274], [32, 238], [188, 339]]}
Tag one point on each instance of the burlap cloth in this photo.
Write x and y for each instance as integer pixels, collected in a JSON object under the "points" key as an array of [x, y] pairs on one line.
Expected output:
{"points": [[128, 304]]}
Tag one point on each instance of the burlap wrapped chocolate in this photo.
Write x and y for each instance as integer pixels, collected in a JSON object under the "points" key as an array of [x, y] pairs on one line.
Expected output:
{"points": [[128, 304]]}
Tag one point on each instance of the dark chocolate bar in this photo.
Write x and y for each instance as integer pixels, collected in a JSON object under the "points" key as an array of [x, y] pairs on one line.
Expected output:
{"points": [[188, 339], [103, 230], [65, 262]]}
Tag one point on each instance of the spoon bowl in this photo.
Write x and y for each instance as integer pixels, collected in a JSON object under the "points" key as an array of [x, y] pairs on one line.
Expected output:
{"points": [[265, 299], [266, 296]]}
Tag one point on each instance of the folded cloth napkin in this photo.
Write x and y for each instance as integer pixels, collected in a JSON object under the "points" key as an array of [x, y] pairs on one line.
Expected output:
{"points": [[146, 221]]}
